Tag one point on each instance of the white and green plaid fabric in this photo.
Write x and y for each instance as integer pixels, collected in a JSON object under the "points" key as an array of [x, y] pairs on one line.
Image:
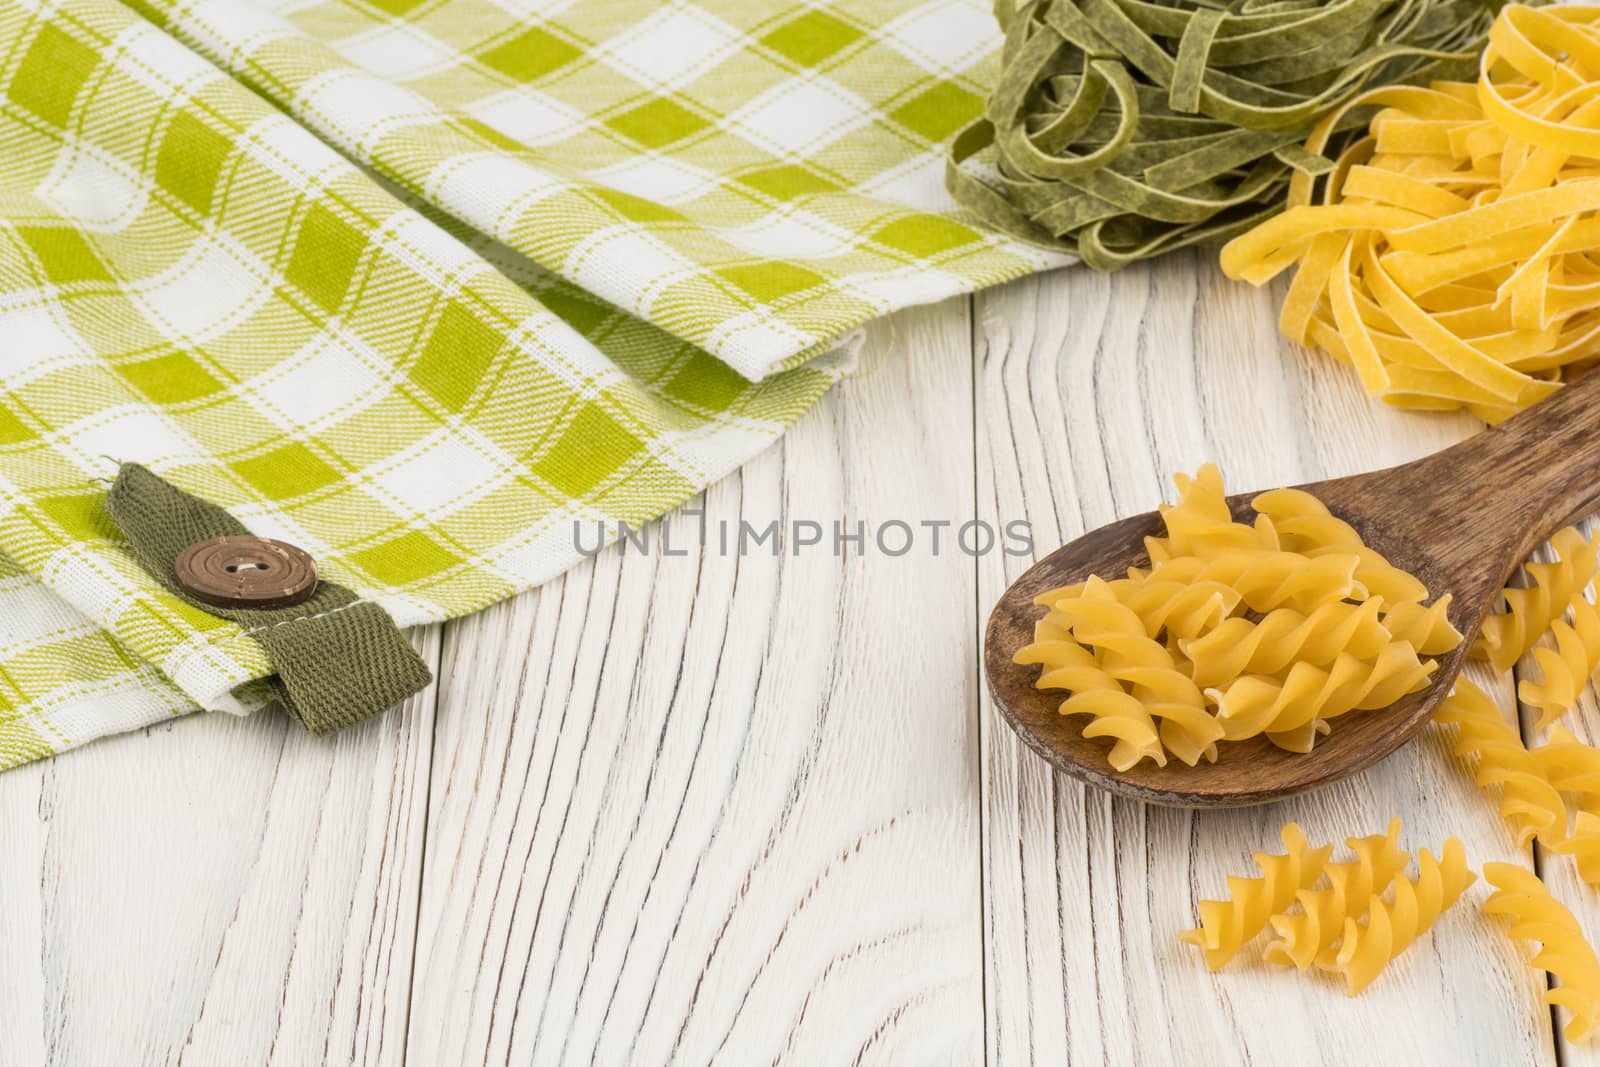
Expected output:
{"points": [[414, 284]]}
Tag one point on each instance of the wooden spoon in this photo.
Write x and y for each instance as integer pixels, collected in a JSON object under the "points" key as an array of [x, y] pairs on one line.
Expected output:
{"points": [[1461, 520]]}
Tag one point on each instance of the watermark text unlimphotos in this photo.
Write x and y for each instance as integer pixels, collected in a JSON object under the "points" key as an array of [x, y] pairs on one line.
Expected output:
{"points": [[839, 537]]}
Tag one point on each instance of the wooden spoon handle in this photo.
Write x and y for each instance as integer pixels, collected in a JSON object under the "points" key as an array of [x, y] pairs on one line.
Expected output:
{"points": [[1550, 455], [1499, 494]]}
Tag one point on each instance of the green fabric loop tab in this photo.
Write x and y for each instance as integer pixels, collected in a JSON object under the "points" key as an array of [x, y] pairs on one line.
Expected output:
{"points": [[338, 659], [1120, 129]]}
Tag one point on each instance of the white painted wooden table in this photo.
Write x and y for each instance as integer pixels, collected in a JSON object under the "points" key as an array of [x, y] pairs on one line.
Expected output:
{"points": [[752, 810]]}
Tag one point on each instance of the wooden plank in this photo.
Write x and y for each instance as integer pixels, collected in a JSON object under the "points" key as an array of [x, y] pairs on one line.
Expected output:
{"points": [[1093, 390], [712, 807], [231, 890]]}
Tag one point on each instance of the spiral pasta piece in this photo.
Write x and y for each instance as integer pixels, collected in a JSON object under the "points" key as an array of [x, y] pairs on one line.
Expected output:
{"points": [[1304, 524], [1288, 710], [1095, 646], [1506, 638], [1283, 637], [1304, 936], [1391, 927], [1201, 525], [1569, 765], [1201, 513], [1267, 579], [1563, 950], [1050, 596], [1449, 256], [1583, 845], [1426, 628], [1568, 668], [1227, 925], [1126, 653], [1180, 609], [1529, 803], [1115, 713]]}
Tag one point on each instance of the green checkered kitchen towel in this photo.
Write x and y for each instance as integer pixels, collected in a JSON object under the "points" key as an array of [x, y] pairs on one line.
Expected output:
{"points": [[414, 284]]}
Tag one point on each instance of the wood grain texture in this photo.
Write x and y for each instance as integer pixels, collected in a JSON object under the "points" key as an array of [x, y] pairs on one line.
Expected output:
{"points": [[712, 808], [1091, 392], [215, 890]]}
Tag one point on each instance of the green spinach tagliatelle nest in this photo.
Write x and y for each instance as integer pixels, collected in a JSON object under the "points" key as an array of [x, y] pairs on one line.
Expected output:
{"points": [[1120, 129]]}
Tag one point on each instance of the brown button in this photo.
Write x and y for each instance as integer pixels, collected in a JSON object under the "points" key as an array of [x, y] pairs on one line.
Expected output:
{"points": [[246, 572]]}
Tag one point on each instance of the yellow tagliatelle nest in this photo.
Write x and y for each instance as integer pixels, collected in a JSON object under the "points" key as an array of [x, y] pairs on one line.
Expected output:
{"points": [[1453, 256], [1237, 630]]}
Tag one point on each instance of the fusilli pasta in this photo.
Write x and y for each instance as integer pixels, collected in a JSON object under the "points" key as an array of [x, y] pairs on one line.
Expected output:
{"points": [[1227, 925], [1568, 668], [1288, 709], [1391, 927], [1236, 630], [1569, 765], [1582, 843], [1305, 935], [1283, 637], [1563, 951], [1127, 654], [1305, 524], [1427, 628], [1182, 609], [1267, 579], [1117, 714], [1507, 637], [1200, 524], [1529, 804]]}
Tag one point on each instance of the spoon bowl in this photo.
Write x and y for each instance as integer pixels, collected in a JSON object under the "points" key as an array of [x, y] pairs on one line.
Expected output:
{"points": [[1461, 520]]}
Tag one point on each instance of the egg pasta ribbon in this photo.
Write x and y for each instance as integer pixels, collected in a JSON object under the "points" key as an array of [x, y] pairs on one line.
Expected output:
{"points": [[1449, 256]]}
